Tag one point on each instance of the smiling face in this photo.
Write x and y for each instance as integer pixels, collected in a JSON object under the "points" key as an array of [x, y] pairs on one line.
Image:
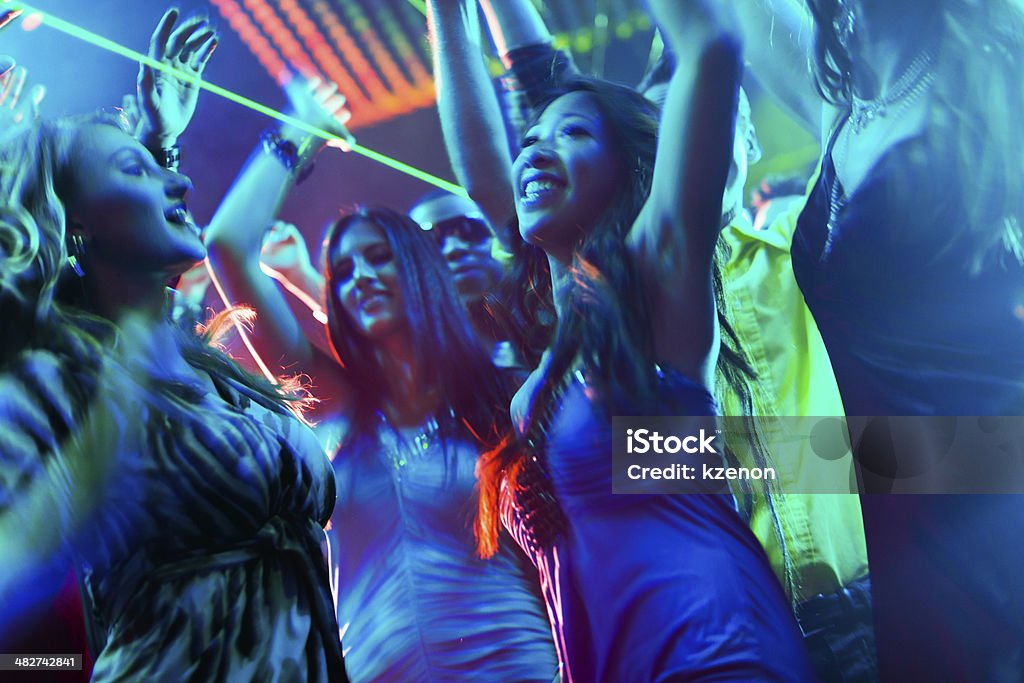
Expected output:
{"points": [[366, 280], [465, 240], [130, 211], [566, 175]]}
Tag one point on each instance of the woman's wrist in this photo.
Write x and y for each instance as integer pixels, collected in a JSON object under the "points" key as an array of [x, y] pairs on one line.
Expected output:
{"points": [[164, 148], [153, 138], [292, 147]]}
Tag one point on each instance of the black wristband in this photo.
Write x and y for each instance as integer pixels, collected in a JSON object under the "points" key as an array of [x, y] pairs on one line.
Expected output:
{"points": [[168, 157], [283, 150], [286, 151]]}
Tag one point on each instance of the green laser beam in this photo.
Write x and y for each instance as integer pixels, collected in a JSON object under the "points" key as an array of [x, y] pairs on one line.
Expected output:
{"points": [[99, 41], [420, 5]]}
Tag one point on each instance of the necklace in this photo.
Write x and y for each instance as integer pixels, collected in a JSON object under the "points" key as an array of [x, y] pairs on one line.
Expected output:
{"points": [[908, 87], [913, 83], [401, 451]]}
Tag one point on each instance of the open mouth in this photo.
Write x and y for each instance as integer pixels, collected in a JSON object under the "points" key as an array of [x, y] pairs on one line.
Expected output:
{"points": [[373, 301], [179, 215], [537, 187]]}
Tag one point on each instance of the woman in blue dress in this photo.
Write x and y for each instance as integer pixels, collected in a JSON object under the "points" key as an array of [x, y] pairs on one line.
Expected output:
{"points": [[415, 398], [617, 251]]}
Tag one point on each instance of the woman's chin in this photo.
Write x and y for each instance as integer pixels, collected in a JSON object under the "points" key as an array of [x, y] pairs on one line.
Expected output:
{"points": [[190, 258]]}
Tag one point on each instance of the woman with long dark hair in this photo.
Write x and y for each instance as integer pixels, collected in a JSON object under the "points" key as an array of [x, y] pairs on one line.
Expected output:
{"points": [[417, 400], [616, 280], [188, 493], [910, 255]]}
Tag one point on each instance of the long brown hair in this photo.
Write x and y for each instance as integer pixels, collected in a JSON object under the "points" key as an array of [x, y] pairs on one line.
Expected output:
{"points": [[474, 400]]}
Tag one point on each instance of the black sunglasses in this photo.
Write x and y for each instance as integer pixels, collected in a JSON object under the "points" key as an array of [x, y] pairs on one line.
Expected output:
{"points": [[466, 228]]}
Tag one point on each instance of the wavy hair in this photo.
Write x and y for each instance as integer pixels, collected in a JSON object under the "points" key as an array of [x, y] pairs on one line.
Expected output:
{"points": [[474, 400], [607, 323], [43, 303], [32, 225], [978, 50]]}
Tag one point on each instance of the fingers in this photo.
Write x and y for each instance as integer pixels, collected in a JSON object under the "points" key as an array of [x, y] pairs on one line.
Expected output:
{"points": [[158, 42], [197, 45], [280, 231], [29, 107], [322, 91], [204, 52], [12, 83], [36, 96], [193, 29], [332, 102], [9, 15], [6, 82], [19, 76]]}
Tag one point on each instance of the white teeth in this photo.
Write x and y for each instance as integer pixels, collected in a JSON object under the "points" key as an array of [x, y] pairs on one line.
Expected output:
{"points": [[536, 187]]}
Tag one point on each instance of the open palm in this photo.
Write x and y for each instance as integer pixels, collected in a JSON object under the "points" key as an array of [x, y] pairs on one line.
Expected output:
{"points": [[168, 101]]}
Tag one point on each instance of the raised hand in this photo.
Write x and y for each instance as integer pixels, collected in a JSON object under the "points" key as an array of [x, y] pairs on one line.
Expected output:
{"points": [[6, 17], [318, 104], [168, 102], [284, 249], [17, 106]]}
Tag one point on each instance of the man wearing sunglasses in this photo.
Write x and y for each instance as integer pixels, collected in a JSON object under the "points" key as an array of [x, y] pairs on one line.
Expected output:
{"points": [[465, 240]]}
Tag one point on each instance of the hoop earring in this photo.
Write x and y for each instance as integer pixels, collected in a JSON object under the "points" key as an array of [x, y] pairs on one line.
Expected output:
{"points": [[77, 255]]}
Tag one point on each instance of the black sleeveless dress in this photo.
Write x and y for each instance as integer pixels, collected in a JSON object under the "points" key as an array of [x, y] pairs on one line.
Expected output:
{"points": [[911, 330]]}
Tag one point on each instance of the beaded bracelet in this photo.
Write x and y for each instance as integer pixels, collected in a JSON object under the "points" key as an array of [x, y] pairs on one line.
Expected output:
{"points": [[286, 152]]}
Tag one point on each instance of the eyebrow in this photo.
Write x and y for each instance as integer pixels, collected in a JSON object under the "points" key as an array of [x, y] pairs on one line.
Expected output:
{"points": [[578, 115], [126, 150], [561, 119]]}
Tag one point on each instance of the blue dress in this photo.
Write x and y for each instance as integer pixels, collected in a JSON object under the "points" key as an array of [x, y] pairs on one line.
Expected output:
{"points": [[416, 603], [652, 587]]}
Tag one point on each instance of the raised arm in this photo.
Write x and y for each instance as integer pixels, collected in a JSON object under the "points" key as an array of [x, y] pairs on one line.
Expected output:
{"points": [[285, 258], [777, 38], [514, 24], [167, 103], [527, 50], [471, 120], [235, 235], [675, 236]]}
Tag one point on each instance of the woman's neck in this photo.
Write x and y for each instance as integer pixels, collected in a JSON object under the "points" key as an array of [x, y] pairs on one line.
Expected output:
{"points": [[561, 284], [406, 402], [115, 295]]}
